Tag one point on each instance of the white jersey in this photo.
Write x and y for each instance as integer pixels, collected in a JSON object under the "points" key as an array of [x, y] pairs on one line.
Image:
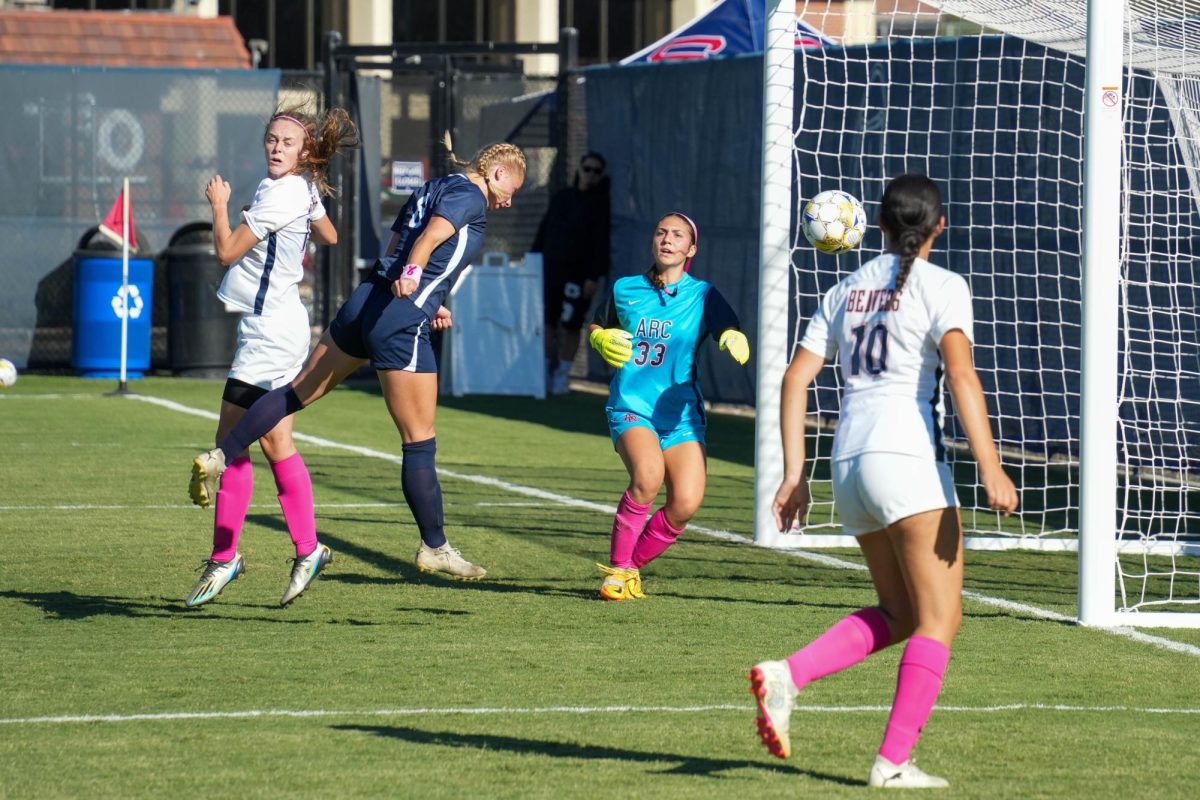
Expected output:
{"points": [[267, 278], [888, 352]]}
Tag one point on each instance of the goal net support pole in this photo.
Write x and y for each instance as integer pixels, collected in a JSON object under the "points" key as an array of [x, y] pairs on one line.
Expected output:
{"points": [[775, 254], [1101, 281]]}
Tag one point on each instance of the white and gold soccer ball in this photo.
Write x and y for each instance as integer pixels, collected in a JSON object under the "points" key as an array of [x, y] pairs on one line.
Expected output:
{"points": [[8, 373], [834, 222]]}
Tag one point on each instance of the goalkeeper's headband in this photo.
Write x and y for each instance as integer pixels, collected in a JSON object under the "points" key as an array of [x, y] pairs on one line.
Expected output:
{"points": [[687, 265]]}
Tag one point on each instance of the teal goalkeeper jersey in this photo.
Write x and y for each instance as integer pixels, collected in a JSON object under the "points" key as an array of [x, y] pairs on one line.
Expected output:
{"points": [[660, 382]]}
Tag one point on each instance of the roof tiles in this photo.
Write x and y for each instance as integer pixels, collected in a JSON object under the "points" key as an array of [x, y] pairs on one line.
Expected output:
{"points": [[120, 39]]}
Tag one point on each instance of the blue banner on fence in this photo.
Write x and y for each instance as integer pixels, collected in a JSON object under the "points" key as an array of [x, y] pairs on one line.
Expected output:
{"points": [[730, 28]]}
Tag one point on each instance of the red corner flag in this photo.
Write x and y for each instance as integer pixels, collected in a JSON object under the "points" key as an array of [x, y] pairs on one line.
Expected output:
{"points": [[113, 225]]}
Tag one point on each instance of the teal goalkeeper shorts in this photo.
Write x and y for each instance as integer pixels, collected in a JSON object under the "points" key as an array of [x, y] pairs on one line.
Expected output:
{"points": [[685, 431]]}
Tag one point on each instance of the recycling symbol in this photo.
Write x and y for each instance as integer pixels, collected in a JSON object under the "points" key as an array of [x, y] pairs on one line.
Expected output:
{"points": [[128, 296]]}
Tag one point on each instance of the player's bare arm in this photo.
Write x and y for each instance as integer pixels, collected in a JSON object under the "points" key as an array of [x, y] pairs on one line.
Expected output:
{"points": [[792, 499], [323, 231], [971, 408], [436, 232], [229, 244]]}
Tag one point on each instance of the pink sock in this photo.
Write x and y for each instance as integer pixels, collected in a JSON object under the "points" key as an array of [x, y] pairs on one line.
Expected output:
{"points": [[233, 498], [921, 669], [627, 525], [655, 539], [296, 500], [848, 642]]}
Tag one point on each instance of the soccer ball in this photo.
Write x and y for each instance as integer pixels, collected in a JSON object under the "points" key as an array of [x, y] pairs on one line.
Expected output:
{"points": [[8, 373], [834, 222]]}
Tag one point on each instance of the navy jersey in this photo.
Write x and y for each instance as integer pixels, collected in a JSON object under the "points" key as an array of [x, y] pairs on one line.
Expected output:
{"points": [[660, 382], [460, 202]]}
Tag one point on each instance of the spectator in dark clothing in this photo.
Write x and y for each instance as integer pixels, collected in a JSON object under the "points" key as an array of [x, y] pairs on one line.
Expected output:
{"points": [[573, 241]]}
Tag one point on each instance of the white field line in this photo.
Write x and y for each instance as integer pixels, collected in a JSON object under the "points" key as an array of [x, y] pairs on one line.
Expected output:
{"points": [[540, 494], [49, 396], [1019, 608], [190, 507], [571, 710]]}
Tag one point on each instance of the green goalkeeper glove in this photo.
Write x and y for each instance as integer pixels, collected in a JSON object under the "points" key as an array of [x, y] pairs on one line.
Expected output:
{"points": [[734, 342], [612, 344]]}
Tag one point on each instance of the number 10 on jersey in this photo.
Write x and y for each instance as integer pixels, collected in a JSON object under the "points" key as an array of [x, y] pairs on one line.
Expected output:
{"points": [[870, 349]]}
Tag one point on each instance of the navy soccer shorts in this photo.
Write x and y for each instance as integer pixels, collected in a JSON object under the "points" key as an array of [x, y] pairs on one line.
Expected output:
{"points": [[390, 332]]}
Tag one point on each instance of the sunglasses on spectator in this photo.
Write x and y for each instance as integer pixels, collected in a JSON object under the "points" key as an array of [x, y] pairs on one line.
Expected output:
{"points": [[592, 170]]}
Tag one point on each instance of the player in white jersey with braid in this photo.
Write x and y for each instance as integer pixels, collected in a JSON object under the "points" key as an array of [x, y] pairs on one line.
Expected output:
{"points": [[266, 254], [897, 325]]}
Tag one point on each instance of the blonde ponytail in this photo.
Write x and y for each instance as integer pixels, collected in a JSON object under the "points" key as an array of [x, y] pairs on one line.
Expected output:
{"points": [[498, 153]]}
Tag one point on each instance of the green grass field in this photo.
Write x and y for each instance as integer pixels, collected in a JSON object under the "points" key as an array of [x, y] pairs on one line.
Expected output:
{"points": [[382, 681]]}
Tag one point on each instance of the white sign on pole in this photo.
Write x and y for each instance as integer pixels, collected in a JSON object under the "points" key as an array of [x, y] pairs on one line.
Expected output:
{"points": [[407, 176]]}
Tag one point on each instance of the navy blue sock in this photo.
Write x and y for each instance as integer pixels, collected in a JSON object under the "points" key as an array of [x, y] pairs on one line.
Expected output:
{"points": [[267, 412], [418, 478]]}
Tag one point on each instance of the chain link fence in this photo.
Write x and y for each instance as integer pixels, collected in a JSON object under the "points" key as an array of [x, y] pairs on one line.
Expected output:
{"points": [[520, 109], [75, 133], [69, 138]]}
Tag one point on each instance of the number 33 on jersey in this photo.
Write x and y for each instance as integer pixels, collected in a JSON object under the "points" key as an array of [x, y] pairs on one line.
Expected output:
{"points": [[667, 327]]}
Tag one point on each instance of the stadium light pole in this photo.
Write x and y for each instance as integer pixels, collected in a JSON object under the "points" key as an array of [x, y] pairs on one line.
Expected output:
{"points": [[1101, 282], [774, 266]]}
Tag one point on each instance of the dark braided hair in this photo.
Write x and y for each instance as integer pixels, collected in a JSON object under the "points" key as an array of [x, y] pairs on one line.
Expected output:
{"points": [[911, 209]]}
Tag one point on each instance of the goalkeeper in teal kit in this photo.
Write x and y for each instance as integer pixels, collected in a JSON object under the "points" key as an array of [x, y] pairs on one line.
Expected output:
{"points": [[651, 330]]}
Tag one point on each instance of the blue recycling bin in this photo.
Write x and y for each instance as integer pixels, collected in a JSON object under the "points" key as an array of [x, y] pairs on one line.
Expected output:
{"points": [[96, 330]]}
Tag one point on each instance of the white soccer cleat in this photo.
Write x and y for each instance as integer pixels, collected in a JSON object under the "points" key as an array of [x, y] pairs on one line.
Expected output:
{"points": [[886, 775], [446, 560], [206, 477], [304, 571], [217, 575], [773, 690]]}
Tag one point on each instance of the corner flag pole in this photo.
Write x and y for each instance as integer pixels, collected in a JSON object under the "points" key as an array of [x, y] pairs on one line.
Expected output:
{"points": [[121, 386]]}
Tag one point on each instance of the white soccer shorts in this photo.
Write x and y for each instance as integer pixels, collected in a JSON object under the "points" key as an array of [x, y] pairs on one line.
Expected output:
{"points": [[873, 490], [271, 349]]}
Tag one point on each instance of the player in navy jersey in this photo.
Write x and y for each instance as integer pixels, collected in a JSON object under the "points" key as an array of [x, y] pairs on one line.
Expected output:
{"points": [[386, 321], [897, 324], [651, 330], [266, 253]]}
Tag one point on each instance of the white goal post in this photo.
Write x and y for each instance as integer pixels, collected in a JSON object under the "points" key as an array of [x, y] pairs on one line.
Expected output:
{"points": [[1065, 135]]}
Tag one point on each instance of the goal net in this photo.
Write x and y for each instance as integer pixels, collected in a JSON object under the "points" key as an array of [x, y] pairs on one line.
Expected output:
{"points": [[987, 97]]}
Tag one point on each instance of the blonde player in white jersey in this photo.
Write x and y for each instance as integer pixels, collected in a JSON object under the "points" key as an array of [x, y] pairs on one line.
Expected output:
{"points": [[896, 325], [266, 254]]}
